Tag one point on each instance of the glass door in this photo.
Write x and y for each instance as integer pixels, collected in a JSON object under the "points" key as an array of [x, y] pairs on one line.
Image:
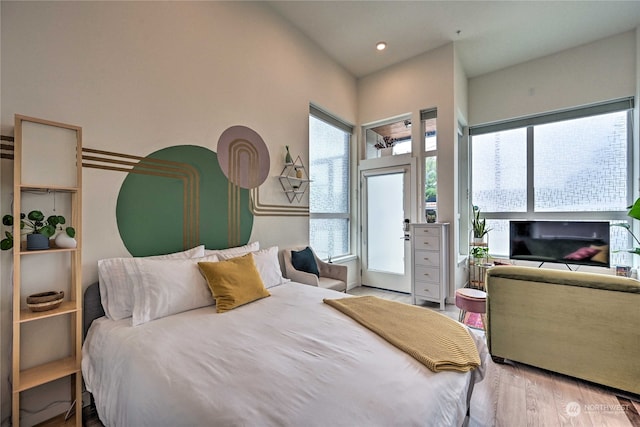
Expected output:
{"points": [[385, 247]]}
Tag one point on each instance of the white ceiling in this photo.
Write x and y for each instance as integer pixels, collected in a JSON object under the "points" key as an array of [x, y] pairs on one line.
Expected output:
{"points": [[493, 34]]}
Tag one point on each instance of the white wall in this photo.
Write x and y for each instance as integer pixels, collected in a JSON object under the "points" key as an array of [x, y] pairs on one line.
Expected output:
{"points": [[140, 76], [461, 210], [425, 81], [599, 71]]}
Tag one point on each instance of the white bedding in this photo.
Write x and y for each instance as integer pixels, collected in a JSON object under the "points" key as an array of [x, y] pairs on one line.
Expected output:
{"points": [[285, 360]]}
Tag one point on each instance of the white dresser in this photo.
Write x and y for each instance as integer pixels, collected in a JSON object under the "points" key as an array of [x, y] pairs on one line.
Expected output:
{"points": [[429, 262]]}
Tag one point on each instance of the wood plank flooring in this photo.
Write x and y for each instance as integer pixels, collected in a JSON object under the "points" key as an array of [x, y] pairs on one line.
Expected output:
{"points": [[513, 394]]}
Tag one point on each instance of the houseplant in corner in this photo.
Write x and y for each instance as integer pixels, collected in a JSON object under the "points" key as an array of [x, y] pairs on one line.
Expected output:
{"points": [[37, 228], [479, 226]]}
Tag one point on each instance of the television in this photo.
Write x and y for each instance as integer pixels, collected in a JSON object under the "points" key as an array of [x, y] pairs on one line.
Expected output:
{"points": [[566, 242]]}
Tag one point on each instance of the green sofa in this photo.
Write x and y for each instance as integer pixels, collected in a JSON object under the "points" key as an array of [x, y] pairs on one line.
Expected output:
{"points": [[584, 325]]}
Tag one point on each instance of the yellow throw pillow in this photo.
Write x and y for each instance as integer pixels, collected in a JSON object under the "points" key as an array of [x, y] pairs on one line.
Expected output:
{"points": [[233, 282]]}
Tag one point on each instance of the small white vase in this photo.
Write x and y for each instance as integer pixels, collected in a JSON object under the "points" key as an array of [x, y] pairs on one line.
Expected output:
{"points": [[65, 242]]}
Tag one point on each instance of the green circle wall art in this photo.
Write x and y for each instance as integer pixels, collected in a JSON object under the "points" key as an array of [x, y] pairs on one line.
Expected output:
{"points": [[177, 198]]}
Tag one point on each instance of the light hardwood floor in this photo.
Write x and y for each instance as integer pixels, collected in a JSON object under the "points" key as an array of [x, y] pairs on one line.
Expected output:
{"points": [[513, 394]]}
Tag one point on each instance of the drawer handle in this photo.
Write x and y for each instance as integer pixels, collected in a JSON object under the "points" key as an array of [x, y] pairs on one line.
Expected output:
{"points": [[426, 290], [426, 259], [426, 274], [426, 243]]}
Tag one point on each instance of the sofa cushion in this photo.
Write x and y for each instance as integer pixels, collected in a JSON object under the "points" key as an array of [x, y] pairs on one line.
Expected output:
{"points": [[568, 278]]}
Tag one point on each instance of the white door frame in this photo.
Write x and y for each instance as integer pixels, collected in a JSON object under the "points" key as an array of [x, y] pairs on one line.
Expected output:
{"points": [[383, 165]]}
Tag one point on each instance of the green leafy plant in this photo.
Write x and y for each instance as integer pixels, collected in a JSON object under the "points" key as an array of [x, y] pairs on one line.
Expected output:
{"points": [[479, 225], [479, 252], [35, 223], [634, 212]]}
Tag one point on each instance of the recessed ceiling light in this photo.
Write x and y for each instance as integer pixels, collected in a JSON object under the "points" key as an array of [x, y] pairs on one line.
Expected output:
{"points": [[381, 45]]}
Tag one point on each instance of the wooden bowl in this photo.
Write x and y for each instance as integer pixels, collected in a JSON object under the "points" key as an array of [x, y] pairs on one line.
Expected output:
{"points": [[44, 301]]}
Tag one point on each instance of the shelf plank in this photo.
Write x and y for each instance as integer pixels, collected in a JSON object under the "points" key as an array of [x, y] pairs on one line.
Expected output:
{"points": [[48, 372], [66, 307], [48, 188], [294, 178], [59, 421], [52, 248]]}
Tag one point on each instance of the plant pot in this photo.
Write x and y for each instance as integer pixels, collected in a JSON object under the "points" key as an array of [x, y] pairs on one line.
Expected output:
{"points": [[37, 242], [386, 152], [63, 241], [478, 240]]}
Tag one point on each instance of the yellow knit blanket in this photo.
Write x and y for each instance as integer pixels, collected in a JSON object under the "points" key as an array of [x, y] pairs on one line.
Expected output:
{"points": [[435, 340]]}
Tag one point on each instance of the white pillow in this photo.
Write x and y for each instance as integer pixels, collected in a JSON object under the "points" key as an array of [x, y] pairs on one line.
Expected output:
{"points": [[116, 288], [268, 266], [233, 252], [166, 287]]}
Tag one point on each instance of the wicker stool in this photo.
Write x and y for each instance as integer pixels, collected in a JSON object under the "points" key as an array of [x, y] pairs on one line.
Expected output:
{"points": [[470, 300]]}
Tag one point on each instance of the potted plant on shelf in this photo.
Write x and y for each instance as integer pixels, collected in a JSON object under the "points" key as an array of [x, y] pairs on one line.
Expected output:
{"points": [[479, 226], [480, 254], [39, 230]]}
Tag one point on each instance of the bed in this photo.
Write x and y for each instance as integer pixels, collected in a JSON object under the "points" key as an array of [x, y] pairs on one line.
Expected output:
{"points": [[283, 360]]}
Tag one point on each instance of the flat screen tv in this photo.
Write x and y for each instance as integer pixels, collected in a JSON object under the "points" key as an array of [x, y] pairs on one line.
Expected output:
{"points": [[566, 242]]}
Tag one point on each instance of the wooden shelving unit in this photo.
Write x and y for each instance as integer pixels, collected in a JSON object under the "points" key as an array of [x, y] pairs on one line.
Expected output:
{"points": [[478, 266], [60, 148]]}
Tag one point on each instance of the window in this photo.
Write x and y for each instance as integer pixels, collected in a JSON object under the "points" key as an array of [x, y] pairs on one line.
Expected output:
{"points": [[329, 216], [571, 165], [428, 119], [388, 138]]}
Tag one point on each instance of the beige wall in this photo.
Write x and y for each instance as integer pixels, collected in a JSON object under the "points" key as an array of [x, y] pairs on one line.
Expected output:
{"points": [[426, 81], [599, 71], [140, 76]]}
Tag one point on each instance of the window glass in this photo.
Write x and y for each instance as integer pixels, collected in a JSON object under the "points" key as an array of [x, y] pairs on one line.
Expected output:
{"points": [[430, 134], [581, 164], [499, 171], [388, 139], [329, 237], [431, 188]]}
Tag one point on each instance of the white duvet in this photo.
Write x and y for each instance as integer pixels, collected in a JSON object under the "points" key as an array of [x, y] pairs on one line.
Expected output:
{"points": [[285, 360]]}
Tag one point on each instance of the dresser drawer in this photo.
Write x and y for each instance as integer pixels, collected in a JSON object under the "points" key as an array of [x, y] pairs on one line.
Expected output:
{"points": [[427, 290], [427, 258], [426, 274], [427, 231], [426, 241]]}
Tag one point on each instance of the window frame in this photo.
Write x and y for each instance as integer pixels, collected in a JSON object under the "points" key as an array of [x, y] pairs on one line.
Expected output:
{"points": [[618, 105], [348, 129]]}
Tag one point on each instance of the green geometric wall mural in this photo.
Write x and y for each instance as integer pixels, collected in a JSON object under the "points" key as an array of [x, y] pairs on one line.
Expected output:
{"points": [[177, 198]]}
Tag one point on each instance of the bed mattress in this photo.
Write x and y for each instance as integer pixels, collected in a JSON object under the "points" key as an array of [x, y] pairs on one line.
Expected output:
{"points": [[285, 360]]}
